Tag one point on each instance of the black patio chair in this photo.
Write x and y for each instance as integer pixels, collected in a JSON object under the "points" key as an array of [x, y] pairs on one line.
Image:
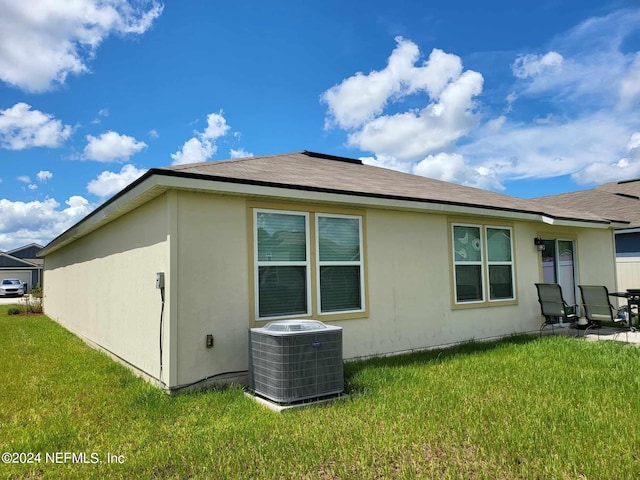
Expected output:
{"points": [[554, 308], [598, 308]]}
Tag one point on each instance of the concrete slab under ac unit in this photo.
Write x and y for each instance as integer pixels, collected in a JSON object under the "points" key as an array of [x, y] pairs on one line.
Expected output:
{"points": [[276, 407]]}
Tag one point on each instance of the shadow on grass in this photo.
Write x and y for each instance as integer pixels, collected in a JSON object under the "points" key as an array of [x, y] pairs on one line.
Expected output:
{"points": [[429, 357]]}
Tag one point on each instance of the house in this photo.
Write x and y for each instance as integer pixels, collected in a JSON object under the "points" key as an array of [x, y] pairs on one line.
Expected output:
{"points": [[620, 200], [401, 262], [22, 263]]}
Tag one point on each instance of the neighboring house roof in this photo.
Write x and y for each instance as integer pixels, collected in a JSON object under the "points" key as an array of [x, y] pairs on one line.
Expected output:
{"points": [[322, 177], [26, 251], [619, 200], [9, 261]]}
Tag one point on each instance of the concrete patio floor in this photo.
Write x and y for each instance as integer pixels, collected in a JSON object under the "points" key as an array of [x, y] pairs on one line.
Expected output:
{"points": [[604, 333]]}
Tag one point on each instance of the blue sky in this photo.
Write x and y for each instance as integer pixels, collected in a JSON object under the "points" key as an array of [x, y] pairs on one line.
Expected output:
{"points": [[527, 98]]}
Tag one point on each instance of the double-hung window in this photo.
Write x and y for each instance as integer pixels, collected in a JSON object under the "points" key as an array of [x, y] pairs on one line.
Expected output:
{"points": [[483, 267], [339, 247], [282, 266], [307, 264]]}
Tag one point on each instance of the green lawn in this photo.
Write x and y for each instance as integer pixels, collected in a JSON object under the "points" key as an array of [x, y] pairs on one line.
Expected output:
{"points": [[523, 408]]}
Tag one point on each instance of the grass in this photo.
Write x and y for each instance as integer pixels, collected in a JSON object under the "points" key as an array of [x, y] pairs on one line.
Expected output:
{"points": [[524, 407]]}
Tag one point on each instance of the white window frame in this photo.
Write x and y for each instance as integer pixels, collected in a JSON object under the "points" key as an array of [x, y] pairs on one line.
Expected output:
{"points": [[481, 262], [358, 263], [494, 263], [270, 263]]}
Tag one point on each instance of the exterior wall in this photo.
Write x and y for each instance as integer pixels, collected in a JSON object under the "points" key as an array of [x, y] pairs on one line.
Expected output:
{"points": [[410, 289], [102, 286], [628, 272], [596, 258], [408, 270], [212, 285], [628, 260]]}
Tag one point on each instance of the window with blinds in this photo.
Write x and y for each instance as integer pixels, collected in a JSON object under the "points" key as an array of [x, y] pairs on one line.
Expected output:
{"points": [[339, 263], [282, 251], [482, 263], [293, 247]]}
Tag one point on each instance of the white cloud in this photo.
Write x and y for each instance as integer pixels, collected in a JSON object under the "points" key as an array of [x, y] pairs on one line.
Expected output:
{"points": [[24, 179], [111, 146], [108, 183], [216, 126], [43, 41], [38, 222], [532, 65], [357, 104], [587, 64], [542, 150], [569, 111], [21, 128], [153, 133], [203, 146], [44, 175], [194, 150], [103, 112], [453, 168], [32, 186], [629, 91], [625, 168], [240, 153], [360, 98]]}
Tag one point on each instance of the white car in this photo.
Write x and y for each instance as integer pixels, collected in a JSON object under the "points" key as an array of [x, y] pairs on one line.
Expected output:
{"points": [[11, 287]]}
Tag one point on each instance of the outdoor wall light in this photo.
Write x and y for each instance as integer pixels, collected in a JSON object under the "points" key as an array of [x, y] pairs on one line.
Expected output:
{"points": [[538, 243]]}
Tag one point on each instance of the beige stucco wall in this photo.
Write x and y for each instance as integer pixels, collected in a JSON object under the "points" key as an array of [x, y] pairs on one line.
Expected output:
{"points": [[102, 286], [212, 285], [410, 295]]}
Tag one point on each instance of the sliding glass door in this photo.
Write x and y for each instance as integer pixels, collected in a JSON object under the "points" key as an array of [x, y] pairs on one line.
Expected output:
{"points": [[558, 266]]}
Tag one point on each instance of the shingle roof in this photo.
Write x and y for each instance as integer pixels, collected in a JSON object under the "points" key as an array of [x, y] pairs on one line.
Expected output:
{"points": [[614, 200], [314, 171]]}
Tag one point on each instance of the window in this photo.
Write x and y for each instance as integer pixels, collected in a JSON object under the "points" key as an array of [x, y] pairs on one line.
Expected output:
{"points": [[307, 265], [500, 263], [282, 253], [339, 263], [482, 261]]}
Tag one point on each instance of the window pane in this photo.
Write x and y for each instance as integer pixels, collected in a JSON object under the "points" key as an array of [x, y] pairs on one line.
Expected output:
{"points": [[499, 244], [500, 282], [339, 239], [468, 283], [340, 288], [282, 291], [281, 237], [466, 244]]}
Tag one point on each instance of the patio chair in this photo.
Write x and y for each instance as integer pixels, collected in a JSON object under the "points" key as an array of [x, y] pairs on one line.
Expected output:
{"points": [[554, 308], [598, 308]]}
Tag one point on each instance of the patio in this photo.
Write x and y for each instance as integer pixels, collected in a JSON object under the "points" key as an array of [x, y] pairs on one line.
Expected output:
{"points": [[604, 333]]}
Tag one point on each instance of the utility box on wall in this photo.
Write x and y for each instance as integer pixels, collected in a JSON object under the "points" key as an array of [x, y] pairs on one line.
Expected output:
{"points": [[294, 360]]}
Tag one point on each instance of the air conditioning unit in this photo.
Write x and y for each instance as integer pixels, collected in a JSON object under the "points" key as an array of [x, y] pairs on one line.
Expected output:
{"points": [[295, 360]]}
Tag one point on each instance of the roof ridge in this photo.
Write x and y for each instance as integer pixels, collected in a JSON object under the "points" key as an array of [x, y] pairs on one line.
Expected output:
{"points": [[227, 160]]}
